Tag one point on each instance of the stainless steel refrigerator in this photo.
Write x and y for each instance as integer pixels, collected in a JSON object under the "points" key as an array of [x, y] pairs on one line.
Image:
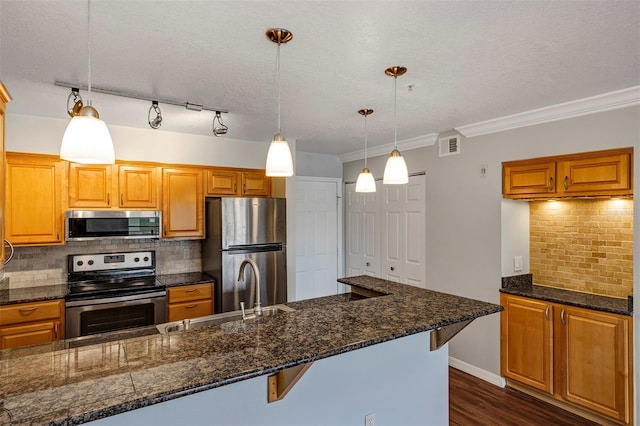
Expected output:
{"points": [[241, 228]]}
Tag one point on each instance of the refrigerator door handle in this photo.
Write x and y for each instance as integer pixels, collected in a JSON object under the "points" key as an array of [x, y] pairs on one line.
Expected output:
{"points": [[253, 248]]}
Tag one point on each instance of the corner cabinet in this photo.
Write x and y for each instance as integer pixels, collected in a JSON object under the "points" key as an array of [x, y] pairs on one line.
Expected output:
{"points": [[4, 100], [182, 203], [590, 174], [34, 209], [31, 323], [242, 183], [577, 356]]}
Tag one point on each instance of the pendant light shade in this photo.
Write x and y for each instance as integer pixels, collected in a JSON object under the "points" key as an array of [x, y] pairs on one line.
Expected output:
{"points": [[279, 159], [365, 182], [395, 171], [87, 139]]}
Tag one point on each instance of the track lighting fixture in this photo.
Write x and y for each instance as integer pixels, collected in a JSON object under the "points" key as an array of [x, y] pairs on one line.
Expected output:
{"points": [[279, 160], [77, 102], [219, 129], [87, 138], [155, 122]]}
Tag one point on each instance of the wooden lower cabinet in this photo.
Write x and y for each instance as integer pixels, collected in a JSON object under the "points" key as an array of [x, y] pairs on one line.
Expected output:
{"points": [[190, 301], [577, 356], [31, 323]]}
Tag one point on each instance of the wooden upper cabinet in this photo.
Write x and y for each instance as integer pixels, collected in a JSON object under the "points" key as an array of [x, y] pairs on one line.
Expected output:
{"points": [[532, 180], [598, 174], [222, 182], [182, 203], [238, 182], [90, 185], [137, 186], [526, 337], [590, 174], [596, 361], [4, 100], [34, 213], [255, 184]]}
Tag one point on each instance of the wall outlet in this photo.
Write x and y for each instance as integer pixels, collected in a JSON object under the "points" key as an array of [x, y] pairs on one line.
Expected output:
{"points": [[484, 169], [370, 419], [517, 263]]}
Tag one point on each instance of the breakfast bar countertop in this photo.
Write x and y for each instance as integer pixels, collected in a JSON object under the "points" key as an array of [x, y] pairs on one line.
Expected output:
{"points": [[46, 384]]}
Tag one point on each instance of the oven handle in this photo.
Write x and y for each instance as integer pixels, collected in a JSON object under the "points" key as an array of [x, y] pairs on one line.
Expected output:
{"points": [[146, 297]]}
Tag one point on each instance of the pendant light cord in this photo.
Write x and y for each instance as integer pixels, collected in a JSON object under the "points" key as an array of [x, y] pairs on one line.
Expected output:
{"points": [[89, 49], [365, 141], [278, 81], [395, 112]]}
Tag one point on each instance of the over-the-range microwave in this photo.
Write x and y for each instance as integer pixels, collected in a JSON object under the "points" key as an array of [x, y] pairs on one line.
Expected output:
{"points": [[84, 225]]}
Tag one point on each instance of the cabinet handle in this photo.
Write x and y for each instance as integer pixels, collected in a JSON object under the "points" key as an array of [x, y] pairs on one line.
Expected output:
{"points": [[235, 187], [190, 306], [55, 331], [393, 269], [164, 231], [8, 259], [244, 188], [562, 317], [566, 183], [551, 184], [108, 199], [27, 309], [190, 290], [546, 313], [121, 199]]}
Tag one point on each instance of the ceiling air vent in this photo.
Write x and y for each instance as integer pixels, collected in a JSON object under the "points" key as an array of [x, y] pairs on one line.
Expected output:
{"points": [[449, 145]]}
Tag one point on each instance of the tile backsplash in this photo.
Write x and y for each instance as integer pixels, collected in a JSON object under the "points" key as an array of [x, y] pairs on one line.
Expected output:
{"points": [[36, 266], [583, 245]]}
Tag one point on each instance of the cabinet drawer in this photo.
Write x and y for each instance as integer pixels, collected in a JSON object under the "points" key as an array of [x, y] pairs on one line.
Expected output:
{"points": [[189, 293], [29, 334], [29, 312], [181, 311]]}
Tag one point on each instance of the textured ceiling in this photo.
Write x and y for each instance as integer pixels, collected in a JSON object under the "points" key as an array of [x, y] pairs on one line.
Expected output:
{"points": [[468, 61]]}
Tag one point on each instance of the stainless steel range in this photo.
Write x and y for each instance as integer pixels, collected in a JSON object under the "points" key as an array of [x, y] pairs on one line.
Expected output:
{"points": [[113, 291]]}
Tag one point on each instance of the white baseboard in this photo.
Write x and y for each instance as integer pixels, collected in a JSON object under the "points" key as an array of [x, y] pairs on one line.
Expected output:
{"points": [[494, 379]]}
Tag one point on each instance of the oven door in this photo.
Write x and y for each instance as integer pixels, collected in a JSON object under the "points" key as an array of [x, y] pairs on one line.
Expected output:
{"points": [[88, 317]]}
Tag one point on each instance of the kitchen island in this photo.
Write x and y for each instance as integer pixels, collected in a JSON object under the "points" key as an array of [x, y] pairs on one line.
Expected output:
{"points": [[372, 353]]}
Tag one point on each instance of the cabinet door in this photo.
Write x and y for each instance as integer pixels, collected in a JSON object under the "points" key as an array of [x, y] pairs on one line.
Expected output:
{"points": [[595, 361], [90, 185], [598, 174], [34, 201], [29, 334], [222, 182], [182, 203], [137, 187], [526, 342], [529, 180], [4, 99], [255, 184]]}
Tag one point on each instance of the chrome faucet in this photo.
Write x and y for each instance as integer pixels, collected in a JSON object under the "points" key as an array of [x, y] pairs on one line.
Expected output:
{"points": [[257, 308]]}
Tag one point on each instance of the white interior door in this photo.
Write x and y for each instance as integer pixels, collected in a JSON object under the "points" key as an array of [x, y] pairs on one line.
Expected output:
{"points": [[354, 231], [317, 241], [415, 232], [393, 235], [371, 233]]}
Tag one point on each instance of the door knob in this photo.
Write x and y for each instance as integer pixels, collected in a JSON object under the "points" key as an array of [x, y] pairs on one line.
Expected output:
{"points": [[393, 269], [368, 264]]}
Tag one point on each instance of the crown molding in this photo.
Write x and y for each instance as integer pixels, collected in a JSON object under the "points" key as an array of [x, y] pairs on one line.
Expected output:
{"points": [[600, 103], [404, 145]]}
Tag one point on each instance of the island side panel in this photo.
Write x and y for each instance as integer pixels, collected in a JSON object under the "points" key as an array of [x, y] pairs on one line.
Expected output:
{"points": [[401, 381]]}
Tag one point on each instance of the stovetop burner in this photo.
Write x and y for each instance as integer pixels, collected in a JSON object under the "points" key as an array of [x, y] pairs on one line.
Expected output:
{"points": [[104, 275]]}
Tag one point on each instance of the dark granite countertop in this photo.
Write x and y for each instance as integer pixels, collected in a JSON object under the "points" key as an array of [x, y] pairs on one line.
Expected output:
{"points": [[188, 278], [58, 386], [9, 296], [523, 286]]}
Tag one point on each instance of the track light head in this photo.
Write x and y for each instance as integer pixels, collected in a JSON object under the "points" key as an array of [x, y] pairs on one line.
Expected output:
{"points": [[219, 129], [156, 121]]}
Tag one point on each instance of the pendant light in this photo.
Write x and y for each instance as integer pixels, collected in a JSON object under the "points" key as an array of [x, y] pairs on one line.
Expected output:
{"points": [[365, 182], [87, 139], [279, 160], [395, 171]]}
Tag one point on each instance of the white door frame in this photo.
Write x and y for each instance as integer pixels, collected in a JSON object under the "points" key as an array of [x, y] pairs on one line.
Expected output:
{"points": [[339, 216]]}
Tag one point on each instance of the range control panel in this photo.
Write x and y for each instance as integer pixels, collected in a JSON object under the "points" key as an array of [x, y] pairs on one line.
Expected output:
{"points": [[111, 261]]}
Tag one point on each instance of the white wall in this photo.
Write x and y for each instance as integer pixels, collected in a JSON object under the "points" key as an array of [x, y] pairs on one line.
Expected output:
{"points": [[515, 235], [401, 381], [318, 165], [464, 226]]}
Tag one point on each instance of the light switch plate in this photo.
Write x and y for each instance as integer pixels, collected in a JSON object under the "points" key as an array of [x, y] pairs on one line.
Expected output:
{"points": [[517, 263]]}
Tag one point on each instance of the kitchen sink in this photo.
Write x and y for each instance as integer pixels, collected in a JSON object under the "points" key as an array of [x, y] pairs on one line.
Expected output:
{"points": [[217, 319]]}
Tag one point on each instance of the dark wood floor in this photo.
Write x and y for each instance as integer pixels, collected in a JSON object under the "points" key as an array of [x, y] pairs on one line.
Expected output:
{"points": [[475, 402]]}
